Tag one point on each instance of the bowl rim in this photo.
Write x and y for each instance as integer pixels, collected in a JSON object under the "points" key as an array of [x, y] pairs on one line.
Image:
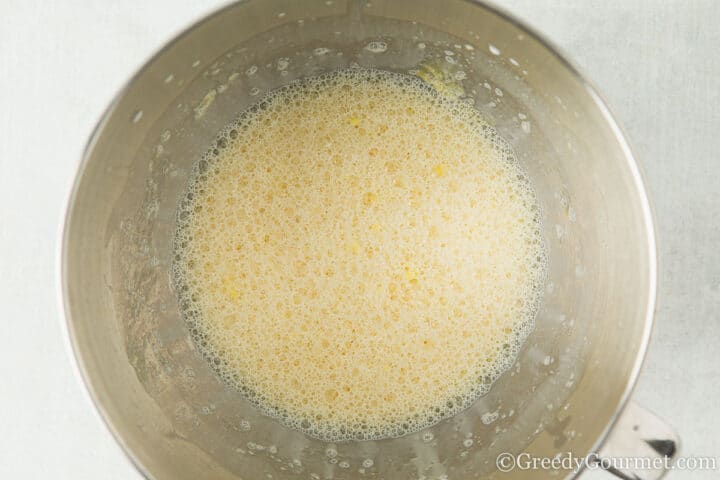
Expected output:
{"points": [[68, 331]]}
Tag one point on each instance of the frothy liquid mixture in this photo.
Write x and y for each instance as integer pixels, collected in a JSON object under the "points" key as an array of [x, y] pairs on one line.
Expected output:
{"points": [[360, 256]]}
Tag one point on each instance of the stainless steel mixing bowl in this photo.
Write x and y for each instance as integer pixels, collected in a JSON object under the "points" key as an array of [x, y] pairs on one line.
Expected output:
{"points": [[573, 378]]}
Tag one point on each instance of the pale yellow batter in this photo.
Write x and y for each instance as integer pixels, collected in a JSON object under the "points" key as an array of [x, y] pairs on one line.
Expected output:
{"points": [[360, 256]]}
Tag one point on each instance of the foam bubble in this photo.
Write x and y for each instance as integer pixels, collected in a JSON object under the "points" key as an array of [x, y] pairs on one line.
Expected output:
{"points": [[358, 255], [376, 47]]}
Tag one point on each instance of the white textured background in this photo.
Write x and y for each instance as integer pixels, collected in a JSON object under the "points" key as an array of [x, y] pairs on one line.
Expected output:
{"points": [[656, 61]]}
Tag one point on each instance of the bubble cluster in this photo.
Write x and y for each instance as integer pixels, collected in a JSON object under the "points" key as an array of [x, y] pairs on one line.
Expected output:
{"points": [[359, 255]]}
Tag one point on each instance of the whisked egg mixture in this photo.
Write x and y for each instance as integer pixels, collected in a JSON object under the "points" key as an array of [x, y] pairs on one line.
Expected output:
{"points": [[359, 255]]}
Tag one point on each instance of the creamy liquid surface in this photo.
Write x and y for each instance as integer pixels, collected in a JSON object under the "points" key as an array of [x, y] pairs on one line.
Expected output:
{"points": [[359, 256]]}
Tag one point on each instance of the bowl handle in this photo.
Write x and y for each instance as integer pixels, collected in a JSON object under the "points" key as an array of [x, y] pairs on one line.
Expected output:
{"points": [[640, 446]]}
